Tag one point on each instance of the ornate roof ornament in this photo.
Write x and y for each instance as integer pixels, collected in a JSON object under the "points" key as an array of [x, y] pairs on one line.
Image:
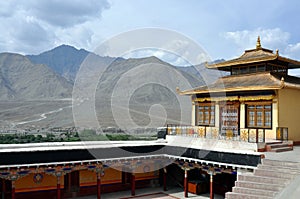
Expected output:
{"points": [[258, 45]]}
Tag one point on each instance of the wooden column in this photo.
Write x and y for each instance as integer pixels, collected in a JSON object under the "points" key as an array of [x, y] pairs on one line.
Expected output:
{"points": [[3, 188], [211, 186], [165, 178], [98, 185], [58, 187], [13, 190], [69, 182], [132, 184], [186, 183]]}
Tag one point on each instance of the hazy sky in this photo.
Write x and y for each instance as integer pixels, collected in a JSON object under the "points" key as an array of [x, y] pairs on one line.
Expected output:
{"points": [[223, 28]]}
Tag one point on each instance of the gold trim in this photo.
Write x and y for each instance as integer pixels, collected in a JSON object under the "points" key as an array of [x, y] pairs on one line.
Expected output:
{"points": [[235, 98], [217, 99], [255, 98]]}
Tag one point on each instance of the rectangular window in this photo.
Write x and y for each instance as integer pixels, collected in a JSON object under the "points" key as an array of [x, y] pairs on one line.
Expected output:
{"points": [[259, 115], [205, 114]]}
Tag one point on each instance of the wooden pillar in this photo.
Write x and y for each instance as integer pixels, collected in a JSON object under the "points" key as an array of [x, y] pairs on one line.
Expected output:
{"points": [[165, 178], [58, 187], [3, 189], [69, 182], [256, 139], [98, 185], [13, 190], [132, 184], [186, 183], [211, 186]]}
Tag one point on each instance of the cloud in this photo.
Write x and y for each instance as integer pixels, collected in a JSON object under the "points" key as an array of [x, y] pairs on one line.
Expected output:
{"points": [[33, 26], [293, 50], [159, 53], [66, 13], [7, 8], [270, 38]]}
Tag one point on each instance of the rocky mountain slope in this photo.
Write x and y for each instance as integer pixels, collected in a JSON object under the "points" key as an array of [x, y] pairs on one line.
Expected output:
{"points": [[141, 86], [65, 60], [21, 79]]}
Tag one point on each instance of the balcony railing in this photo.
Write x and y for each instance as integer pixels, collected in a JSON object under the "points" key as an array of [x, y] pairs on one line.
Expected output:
{"points": [[244, 135]]}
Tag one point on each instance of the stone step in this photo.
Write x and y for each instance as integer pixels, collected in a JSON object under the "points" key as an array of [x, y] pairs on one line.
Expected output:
{"points": [[270, 173], [279, 145], [280, 163], [261, 179], [258, 192], [281, 149], [279, 168], [262, 186], [232, 195]]}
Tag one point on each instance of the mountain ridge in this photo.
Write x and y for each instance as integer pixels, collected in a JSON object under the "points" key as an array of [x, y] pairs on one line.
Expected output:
{"points": [[21, 79]]}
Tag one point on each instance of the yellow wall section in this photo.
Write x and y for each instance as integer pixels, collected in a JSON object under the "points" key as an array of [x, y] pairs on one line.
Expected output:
{"points": [[88, 178], [146, 171], [26, 184], [289, 110], [271, 133]]}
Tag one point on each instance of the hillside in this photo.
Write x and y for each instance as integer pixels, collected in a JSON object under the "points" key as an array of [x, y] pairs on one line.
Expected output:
{"points": [[64, 60], [21, 79], [43, 76]]}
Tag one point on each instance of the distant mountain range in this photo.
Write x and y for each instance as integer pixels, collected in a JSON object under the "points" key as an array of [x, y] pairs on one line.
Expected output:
{"points": [[65, 60], [52, 74], [22, 79]]}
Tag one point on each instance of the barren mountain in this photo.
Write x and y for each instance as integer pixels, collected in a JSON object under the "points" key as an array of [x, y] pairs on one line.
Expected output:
{"points": [[65, 60], [143, 87], [21, 79]]}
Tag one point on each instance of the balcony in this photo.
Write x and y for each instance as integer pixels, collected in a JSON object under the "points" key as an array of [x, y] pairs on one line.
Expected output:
{"points": [[243, 135]]}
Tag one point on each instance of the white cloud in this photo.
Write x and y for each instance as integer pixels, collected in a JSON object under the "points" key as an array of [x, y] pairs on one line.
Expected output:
{"points": [[293, 51], [33, 26], [159, 53], [270, 38], [65, 13]]}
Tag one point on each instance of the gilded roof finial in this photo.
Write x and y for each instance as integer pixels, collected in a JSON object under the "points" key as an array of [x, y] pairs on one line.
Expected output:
{"points": [[258, 45]]}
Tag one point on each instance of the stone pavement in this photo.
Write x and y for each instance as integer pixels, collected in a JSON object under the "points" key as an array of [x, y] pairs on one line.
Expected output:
{"points": [[290, 156], [173, 192]]}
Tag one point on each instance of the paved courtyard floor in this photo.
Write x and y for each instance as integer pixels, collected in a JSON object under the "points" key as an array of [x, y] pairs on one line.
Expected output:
{"points": [[291, 156], [151, 193]]}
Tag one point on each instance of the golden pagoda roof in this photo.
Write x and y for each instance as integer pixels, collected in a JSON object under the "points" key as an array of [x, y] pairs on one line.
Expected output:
{"points": [[247, 82], [256, 55]]}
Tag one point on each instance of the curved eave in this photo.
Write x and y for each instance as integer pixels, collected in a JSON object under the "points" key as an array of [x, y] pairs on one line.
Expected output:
{"points": [[292, 86], [227, 64], [254, 88], [292, 63], [235, 62]]}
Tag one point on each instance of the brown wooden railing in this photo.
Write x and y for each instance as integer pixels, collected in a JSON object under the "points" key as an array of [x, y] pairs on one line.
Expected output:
{"points": [[245, 135]]}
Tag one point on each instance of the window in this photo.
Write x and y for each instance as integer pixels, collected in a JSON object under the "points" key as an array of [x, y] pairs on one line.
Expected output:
{"points": [[237, 70], [259, 115], [205, 114]]}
